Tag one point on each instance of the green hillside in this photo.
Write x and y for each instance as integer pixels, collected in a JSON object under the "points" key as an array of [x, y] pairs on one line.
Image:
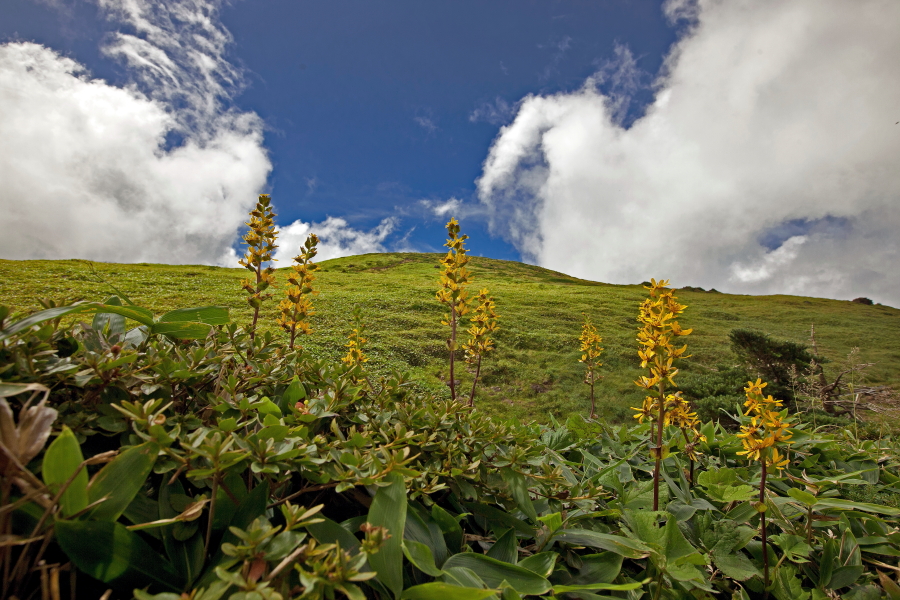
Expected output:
{"points": [[534, 373]]}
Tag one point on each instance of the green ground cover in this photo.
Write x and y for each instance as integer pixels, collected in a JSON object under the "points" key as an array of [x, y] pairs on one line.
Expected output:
{"points": [[534, 374]]}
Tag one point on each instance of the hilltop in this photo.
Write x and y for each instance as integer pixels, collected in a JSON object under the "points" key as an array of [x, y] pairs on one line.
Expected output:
{"points": [[534, 374]]}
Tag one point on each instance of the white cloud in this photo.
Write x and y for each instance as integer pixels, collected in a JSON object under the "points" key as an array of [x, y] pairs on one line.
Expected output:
{"points": [[426, 123], [497, 112], [449, 207], [336, 239], [767, 112], [85, 168]]}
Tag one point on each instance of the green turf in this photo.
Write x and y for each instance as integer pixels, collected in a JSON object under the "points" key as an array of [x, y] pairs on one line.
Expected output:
{"points": [[534, 373]]}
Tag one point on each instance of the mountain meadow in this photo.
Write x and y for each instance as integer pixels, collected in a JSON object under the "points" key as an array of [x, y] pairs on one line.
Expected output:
{"points": [[175, 433], [534, 373]]}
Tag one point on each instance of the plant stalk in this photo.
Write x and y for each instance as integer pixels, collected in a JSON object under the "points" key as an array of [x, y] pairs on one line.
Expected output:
{"points": [[452, 351], [762, 529], [475, 382]]}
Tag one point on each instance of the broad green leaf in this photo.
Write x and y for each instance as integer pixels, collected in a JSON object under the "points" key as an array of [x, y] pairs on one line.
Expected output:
{"points": [[422, 528], [518, 487], [802, 496], [438, 590], [786, 584], [210, 315], [331, 532], [598, 568], [553, 521], [734, 565], [41, 316], [499, 517], [61, 461], [505, 548], [109, 552], [541, 563], [135, 313], [794, 546], [186, 554], [627, 547], [182, 331], [844, 576], [294, 392], [618, 587], [112, 323], [495, 572], [827, 562], [839, 504], [389, 510], [463, 577], [453, 533], [120, 480], [421, 558]]}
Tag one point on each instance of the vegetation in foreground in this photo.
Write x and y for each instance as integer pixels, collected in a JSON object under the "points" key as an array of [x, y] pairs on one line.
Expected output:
{"points": [[193, 458]]}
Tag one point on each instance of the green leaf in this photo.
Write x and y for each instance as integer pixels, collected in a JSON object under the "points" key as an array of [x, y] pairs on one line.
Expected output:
{"points": [[112, 323], [330, 532], [294, 392], [619, 587], [421, 528], [823, 504], [794, 546], [186, 554], [120, 481], [389, 510], [421, 557], [844, 576], [786, 584], [61, 461], [598, 568], [182, 331], [109, 552], [827, 561], [553, 521], [438, 590], [41, 316], [802, 496], [505, 548], [495, 572], [734, 565], [210, 315], [498, 516], [541, 563], [629, 548], [518, 487], [453, 533]]}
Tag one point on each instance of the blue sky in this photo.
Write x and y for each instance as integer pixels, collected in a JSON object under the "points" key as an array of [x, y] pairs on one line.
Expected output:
{"points": [[745, 145]]}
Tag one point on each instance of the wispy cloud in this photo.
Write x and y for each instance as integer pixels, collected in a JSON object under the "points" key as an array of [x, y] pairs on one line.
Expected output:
{"points": [[496, 112], [426, 123], [86, 168], [767, 114]]}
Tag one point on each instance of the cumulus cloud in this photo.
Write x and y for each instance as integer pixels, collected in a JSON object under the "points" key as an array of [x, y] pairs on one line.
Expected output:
{"points": [[336, 238], [770, 117], [89, 169], [438, 208]]}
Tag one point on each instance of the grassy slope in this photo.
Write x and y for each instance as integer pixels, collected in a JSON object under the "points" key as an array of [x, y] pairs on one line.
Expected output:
{"points": [[535, 372]]}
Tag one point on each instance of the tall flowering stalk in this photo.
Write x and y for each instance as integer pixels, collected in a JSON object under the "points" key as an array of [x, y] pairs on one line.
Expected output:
{"points": [[590, 355], [768, 428], [297, 307], [355, 356], [484, 323], [454, 279], [260, 240], [658, 331], [681, 415]]}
